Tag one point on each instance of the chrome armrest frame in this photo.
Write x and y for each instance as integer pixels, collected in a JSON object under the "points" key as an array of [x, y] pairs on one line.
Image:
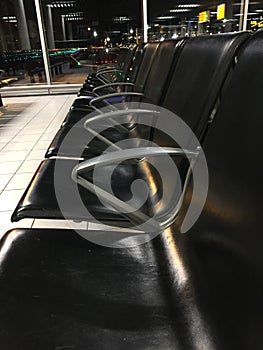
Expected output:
{"points": [[122, 155], [106, 70], [119, 113], [117, 94], [111, 85], [120, 128]]}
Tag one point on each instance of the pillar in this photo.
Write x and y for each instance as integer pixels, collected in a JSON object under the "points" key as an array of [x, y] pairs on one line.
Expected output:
{"points": [[63, 28], [3, 45], [50, 28], [69, 30], [22, 25]]}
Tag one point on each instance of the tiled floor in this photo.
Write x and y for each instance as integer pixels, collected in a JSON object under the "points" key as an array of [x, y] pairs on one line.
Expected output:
{"points": [[27, 126]]}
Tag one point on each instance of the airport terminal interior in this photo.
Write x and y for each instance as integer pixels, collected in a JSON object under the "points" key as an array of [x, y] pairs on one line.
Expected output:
{"points": [[131, 175]]}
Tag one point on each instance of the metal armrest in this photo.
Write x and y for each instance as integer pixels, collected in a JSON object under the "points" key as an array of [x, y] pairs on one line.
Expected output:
{"points": [[111, 85], [117, 94], [131, 153], [119, 113], [106, 66], [111, 70], [116, 157], [120, 128]]}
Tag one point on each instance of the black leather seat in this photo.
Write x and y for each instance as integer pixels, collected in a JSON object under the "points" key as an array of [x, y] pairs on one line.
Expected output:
{"points": [[119, 72], [39, 201], [152, 80], [180, 89], [201, 289], [139, 68], [112, 86]]}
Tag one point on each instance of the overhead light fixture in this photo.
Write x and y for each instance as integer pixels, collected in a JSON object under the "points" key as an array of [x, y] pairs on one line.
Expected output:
{"points": [[121, 19], [179, 10], [188, 5], [165, 17], [249, 14], [62, 4]]}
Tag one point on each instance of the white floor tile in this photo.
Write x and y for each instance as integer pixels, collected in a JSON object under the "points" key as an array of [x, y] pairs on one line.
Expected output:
{"points": [[24, 137], [4, 179], [101, 227], [13, 155], [29, 166], [9, 199], [19, 181], [47, 136], [6, 223], [66, 224], [19, 146], [29, 130], [9, 167], [42, 145], [36, 154], [2, 145]]}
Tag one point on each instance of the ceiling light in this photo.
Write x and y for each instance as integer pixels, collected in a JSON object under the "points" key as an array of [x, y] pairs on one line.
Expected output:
{"points": [[179, 10], [165, 17], [189, 5]]}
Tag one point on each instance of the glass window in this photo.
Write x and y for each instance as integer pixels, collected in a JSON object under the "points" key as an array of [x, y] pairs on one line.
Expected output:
{"points": [[195, 18], [20, 51], [81, 35]]}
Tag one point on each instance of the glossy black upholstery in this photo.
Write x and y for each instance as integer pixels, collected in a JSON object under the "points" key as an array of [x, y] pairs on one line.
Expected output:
{"points": [[133, 61], [204, 59], [153, 70], [122, 69], [198, 290], [152, 80], [40, 199]]}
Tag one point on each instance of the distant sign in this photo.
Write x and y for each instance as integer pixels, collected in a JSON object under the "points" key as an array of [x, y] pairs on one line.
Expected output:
{"points": [[256, 24], [221, 10], [204, 16]]}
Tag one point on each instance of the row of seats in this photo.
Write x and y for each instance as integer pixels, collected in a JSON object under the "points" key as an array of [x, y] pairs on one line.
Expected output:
{"points": [[174, 67], [198, 290]]}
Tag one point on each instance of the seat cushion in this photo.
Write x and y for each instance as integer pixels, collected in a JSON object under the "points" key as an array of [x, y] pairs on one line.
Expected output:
{"points": [[72, 294], [52, 194], [80, 142], [60, 291]]}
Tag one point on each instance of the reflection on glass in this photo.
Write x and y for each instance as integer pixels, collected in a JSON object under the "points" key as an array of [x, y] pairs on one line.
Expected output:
{"points": [[81, 35], [20, 54]]}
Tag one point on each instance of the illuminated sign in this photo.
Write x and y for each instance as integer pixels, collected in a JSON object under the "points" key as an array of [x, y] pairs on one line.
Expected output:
{"points": [[221, 9], [204, 16], [256, 24]]}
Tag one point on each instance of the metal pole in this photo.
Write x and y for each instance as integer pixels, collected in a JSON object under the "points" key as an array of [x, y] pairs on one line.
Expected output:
{"points": [[43, 41], [22, 25], [63, 27], [245, 14], [50, 28], [145, 20]]}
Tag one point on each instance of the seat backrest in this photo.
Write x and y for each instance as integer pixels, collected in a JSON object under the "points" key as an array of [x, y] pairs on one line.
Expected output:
{"points": [[226, 241], [232, 147], [122, 54], [148, 56], [198, 77], [197, 80], [160, 70], [136, 61], [128, 61]]}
